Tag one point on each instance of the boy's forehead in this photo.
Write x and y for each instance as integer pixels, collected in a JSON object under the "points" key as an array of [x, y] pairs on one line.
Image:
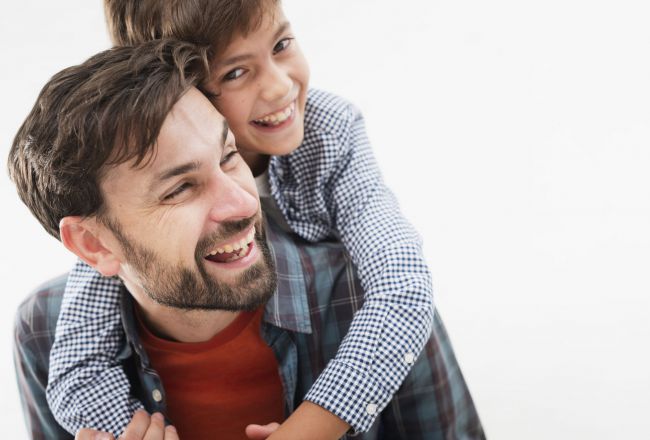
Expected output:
{"points": [[272, 17]]}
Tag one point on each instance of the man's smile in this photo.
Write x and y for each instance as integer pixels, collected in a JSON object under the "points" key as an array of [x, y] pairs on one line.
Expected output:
{"points": [[236, 249]]}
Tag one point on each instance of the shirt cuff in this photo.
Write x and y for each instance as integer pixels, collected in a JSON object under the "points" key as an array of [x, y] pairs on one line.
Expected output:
{"points": [[350, 394]]}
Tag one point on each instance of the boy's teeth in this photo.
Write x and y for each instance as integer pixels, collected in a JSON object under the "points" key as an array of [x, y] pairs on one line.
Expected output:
{"points": [[278, 117]]}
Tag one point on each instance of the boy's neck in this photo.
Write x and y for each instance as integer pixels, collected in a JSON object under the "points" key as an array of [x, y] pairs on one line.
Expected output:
{"points": [[256, 162]]}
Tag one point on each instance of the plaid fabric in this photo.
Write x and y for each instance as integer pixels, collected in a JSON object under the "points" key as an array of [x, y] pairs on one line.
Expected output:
{"points": [[317, 298]]}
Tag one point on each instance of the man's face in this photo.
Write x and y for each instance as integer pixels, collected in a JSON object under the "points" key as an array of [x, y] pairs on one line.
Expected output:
{"points": [[261, 83], [187, 226]]}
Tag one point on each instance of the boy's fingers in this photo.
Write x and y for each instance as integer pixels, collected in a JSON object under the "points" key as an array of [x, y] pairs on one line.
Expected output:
{"points": [[91, 434], [261, 432], [156, 430], [170, 433], [138, 426]]}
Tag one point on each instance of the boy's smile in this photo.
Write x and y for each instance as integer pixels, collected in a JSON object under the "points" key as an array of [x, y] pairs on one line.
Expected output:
{"points": [[260, 86], [277, 119]]}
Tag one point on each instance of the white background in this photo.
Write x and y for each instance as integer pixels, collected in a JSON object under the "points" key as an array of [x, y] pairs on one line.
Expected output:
{"points": [[517, 138]]}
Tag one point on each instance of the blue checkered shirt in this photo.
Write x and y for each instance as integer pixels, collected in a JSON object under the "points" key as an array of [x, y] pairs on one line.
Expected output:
{"points": [[304, 323], [330, 188]]}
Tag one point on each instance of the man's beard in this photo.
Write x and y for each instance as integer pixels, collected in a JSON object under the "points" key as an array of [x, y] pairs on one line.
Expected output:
{"points": [[194, 289]]}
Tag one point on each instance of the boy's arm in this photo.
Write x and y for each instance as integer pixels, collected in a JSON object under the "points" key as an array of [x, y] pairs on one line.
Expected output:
{"points": [[387, 334], [310, 421], [87, 386]]}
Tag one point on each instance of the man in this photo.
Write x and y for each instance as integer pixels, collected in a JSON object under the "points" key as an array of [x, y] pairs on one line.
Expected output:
{"points": [[132, 168]]}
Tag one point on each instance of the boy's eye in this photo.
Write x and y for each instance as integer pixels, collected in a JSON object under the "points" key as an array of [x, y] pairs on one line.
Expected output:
{"points": [[281, 45], [234, 74], [178, 191]]}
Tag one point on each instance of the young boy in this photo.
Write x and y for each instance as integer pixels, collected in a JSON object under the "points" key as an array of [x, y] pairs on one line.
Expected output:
{"points": [[313, 162]]}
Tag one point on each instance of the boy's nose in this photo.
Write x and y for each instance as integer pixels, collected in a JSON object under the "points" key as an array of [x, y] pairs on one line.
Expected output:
{"points": [[231, 201], [277, 84]]}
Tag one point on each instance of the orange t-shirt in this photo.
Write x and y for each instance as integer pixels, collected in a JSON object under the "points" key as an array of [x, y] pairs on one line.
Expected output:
{"points": [[215, 388]]}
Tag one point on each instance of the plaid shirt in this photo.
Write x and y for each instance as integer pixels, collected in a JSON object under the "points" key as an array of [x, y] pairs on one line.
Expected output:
{"points": [[318, 295], [328, 188]]}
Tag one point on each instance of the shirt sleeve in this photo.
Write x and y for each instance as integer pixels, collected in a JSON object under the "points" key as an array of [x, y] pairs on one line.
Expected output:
{"points": [[387, 334], [87, 387]]}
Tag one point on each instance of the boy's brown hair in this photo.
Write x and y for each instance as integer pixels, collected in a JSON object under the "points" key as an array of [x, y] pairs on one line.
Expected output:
{"points": [[106, 111], [205, 22]]}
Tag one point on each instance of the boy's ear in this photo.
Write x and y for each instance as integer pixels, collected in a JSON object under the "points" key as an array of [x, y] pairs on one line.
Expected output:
{"points": [[81, 236]]}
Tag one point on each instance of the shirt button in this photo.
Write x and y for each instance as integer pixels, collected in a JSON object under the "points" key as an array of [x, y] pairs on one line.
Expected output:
{"points": [[371, 409], [409, 358], [157, 395]]}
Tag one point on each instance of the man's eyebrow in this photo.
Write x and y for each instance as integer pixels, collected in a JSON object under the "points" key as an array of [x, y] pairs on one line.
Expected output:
{"points": [[243, 57], [189, 166], [225, 129], [176, 171]]}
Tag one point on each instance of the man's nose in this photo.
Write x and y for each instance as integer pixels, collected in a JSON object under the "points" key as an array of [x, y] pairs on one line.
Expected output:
{"points": [[276, 83], [231, 201]]}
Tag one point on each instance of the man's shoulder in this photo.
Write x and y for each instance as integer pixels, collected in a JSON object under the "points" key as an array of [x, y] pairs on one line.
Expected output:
{"points": [[329, 113], [37, 315]]}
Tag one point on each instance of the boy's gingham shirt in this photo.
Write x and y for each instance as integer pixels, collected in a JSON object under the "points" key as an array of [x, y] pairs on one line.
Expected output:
{"points": [[329, 188], [318, 295]]}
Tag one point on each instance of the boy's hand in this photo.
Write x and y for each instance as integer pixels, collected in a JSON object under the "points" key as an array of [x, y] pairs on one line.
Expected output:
{"points": [[92, 434], [141, 427], [308, 421], [261, 432]]}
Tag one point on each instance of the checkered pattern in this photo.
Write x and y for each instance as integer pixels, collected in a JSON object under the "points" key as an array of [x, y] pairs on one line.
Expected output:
{"points": [[318, 297], [87, 386], [329, 188]]}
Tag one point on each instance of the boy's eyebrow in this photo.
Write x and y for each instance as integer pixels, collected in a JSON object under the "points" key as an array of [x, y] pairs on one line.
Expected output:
{"points": [[243, 57], [281, 29]]}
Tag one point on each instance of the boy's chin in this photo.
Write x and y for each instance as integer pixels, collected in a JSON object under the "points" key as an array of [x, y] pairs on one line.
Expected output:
{"points": [[285, 146]]}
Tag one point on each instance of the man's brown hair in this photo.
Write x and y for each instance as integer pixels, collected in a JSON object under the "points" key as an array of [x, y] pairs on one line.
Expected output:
{"points": [[106, 111], [206, 22]]}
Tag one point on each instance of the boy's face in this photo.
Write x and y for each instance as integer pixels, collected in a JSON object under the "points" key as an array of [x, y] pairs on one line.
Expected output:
{"points": [[261, 85]]}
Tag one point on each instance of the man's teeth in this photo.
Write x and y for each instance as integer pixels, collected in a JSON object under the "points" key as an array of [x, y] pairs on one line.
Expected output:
{"points": [[239, 246], [277, 118]]}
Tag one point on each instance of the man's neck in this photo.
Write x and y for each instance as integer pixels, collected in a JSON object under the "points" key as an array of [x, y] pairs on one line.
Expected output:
{"points": [[181, 325]]}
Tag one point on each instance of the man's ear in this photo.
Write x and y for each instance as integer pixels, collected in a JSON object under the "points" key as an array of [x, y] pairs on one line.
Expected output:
{"points": [[81, 236]]}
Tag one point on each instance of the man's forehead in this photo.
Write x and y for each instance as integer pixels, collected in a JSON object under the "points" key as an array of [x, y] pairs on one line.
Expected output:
{"points": [[192, 131]]}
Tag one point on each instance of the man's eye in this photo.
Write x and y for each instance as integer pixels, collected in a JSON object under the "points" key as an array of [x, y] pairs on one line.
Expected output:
{"points": [[234, 74], [282, 45], [178, 191], [228, 157]]}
